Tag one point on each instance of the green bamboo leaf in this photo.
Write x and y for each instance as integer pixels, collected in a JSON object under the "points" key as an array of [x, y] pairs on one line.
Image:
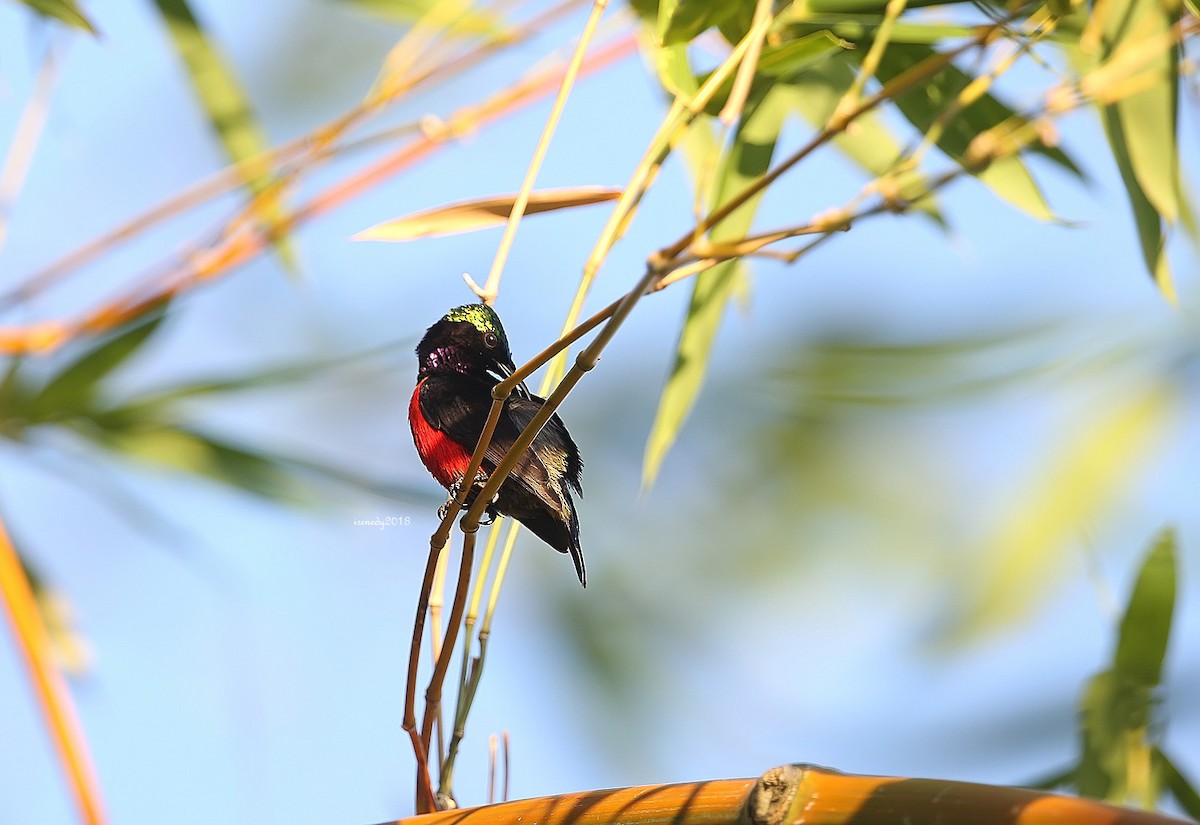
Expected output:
{"points": [[193, 452], [1008, 177], [73, 389], [232, 118], [860, 29], [1146, 626], [748, 157], [65, 10], [1178, 785], [691, 17], [780, 62], [1142, 128], [880, 6], [814, 93], [281, 478], [1117, 708]]}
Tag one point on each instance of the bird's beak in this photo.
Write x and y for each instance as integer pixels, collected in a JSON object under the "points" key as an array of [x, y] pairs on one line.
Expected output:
{"points": [[504, 369]]}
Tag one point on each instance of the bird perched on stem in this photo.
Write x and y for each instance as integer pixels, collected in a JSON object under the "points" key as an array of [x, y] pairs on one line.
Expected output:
{"points": [[460, 359]]}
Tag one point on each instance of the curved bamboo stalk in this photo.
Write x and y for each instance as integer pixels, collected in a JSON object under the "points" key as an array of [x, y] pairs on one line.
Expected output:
{"points": [[803, 795]]}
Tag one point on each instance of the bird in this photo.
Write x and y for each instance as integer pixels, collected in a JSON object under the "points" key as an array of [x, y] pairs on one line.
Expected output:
{"points": [[460, 359]]}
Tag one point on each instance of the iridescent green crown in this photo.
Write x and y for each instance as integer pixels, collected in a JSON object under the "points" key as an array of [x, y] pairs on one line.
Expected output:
{"points": [[482, 317]]}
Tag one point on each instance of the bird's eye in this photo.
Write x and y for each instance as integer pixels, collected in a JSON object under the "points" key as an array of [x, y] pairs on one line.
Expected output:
{"points": [[491, 340]]}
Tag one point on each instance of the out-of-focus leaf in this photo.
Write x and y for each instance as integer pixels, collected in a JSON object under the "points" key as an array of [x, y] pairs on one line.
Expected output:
{"points": [[72, 389], [194, 452], [814, 93], [69, 648], [1071, 485], [1178, 785], [1146, 626], [1008, 177], [231, 116], [281, 478], [859, 29], [880, 6], [1118, 761], [691, 17], [1142, 127], [65, 10], [747, 158], [454, 17], [482, 213]]}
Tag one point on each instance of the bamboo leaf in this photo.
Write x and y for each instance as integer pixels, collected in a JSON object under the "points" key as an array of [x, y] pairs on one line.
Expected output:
{"points": [[1118, 760], [1072, 484], [1008, 177], [1146, 626], [1179, 786], [814, 93], [747, 158], [231, 115], [65, 10], [72, 389], [781, 62], [481, 213], [691, 17], [1142, 129]]}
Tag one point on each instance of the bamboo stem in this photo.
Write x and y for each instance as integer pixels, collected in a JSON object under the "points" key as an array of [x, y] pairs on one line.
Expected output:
{"points": [[803, 795], [19, 608]]}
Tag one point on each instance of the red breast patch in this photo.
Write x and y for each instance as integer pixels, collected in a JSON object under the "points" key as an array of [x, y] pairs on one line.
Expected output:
{"points": [[444, 457]]}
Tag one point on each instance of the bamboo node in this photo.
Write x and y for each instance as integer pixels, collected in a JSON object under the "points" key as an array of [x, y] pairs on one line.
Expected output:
{"points": [[771, 798]]}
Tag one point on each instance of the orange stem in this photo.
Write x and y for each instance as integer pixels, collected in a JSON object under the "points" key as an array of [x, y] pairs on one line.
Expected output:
{"points": [[33, 644]]}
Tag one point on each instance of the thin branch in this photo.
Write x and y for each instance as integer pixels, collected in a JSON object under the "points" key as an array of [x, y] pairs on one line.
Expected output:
{"points": [[492, 285], [27, 136]]}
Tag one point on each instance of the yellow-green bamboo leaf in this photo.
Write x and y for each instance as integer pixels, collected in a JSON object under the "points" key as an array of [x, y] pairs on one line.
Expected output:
{"points": [[482, 213], [748, 157], [1142, 128], [1067, 492], [65, 10], [870, 145], [1149, 117], [231, 115]]}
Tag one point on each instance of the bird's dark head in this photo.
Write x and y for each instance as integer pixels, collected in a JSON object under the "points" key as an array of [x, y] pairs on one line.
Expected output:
{"points": [[468, 339]]}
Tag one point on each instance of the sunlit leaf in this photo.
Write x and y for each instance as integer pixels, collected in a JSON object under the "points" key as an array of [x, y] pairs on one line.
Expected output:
{"points": [[691, 17], [860, 29], [72, 389], [1142, 127], [481, 213], [1071, 485], [748, 157], [1118, 761], [1146, 626], [229, 111], [782, 62], [1008, 177], [814, 93], [65, 10]]}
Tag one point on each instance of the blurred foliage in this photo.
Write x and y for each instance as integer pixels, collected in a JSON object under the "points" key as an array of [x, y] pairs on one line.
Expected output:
{"points": [[154, 427], [1121, 729], [67, 11], [936, 111]]}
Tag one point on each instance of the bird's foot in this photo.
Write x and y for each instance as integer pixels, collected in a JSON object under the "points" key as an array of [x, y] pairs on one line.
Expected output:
{"points": [[456, 490]]}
